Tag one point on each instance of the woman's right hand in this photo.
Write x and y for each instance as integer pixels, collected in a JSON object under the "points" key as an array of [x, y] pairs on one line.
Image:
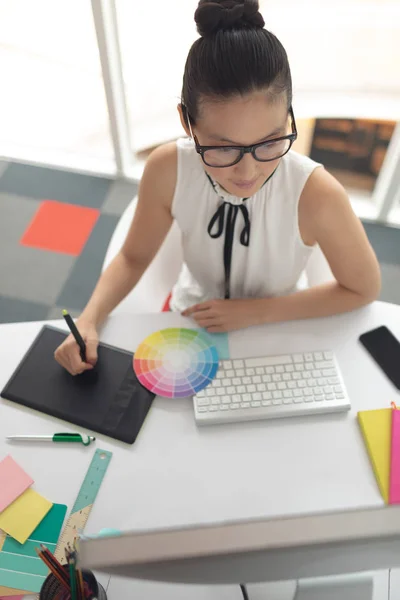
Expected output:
{"points": [[68, 353]]}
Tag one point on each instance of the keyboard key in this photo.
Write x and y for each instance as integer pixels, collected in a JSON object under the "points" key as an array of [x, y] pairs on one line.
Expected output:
{"points": [[231, 389], [256, 396], [291, 385], [339, 396], [302, 384], [287, 400], [328, 354], [202, 401], [238, 364], [297, 393], [288, 394], [221, 391], [276, 377], [255, 404], [306, 375], [215, 400], [210, 392], [266, 403], [309, 357], [224, 407], [227, 364], [309, 366], [250, 372], [234, 406], [240, 372], [213, 408], [268, 361], [251, 388], [226, 399], [236, 398], [260, 370], [298, 358], [227, 382], [338, 389], [333, 380], [282, 386], [256, 379], [237, 381], [245, 405], [241, 389], [296, 376], [201, 393], [318, 397], [216, 383], [318, 356], [300, 367], [266, 378], [270, 370], [299, 399], [279, 369], [267, 396], [230, 373], [323, 364], [245, 380], [328, 372], [220, 374], [328, 389], [322, 381], [309, 398], [307, 392], [286, 377], [317, 391], [329, 396], [289, 368], [277, 401], [261, 387], [202, 409], [277, 395], [246, 398], [317, 373], [271, 387]]}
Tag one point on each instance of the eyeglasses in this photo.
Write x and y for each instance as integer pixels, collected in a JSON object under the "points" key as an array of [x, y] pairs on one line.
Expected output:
{"points": [[227, 156]]}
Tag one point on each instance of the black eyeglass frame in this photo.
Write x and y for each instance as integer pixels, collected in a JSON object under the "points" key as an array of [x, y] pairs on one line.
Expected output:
{"points": [[244, 149]]}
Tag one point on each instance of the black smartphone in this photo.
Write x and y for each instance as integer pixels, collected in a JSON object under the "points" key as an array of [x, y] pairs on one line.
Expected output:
{"points": [[385, 350]]}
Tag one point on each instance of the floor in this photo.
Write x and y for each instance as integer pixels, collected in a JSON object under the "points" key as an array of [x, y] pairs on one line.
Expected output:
{"points": [[55, 227]]}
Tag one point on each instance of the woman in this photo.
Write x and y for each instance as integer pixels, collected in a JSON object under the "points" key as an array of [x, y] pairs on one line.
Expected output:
{"points": [[250, 210]]}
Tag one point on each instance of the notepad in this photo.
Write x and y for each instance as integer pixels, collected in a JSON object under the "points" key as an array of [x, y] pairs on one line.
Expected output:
{"points": [[13, 481], [21, 570], [394, 482], [21, 517], [376, 428]]}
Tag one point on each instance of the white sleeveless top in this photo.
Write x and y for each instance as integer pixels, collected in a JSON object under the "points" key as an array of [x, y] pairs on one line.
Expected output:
{"points": [[272, 263]]}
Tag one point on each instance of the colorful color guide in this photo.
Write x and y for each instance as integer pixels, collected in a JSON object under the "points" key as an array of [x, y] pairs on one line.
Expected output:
{"points": [[176, 362]]}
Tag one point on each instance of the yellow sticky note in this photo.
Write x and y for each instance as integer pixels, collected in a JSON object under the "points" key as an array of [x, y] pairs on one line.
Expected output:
{"points": [[376, 429], [21, 517]]}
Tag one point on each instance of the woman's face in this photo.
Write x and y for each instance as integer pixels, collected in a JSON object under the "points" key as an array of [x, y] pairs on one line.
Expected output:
{"points": [[242, 121]]}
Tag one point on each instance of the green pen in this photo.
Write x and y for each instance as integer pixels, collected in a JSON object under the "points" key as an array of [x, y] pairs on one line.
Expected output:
{"points": [[57, 437]]}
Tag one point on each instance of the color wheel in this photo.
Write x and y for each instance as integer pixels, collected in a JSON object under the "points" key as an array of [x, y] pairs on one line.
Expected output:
{"points": [[175, 362]]}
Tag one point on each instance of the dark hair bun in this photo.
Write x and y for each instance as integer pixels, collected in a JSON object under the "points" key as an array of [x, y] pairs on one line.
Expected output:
{"points": [[219, 15]]}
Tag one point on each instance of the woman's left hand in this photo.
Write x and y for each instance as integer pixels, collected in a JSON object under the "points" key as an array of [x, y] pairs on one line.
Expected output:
{"points": [[217, 316]]}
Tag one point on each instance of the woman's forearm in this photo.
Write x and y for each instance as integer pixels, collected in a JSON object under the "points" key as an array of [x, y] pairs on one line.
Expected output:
{"points": [[114, 284], [320, 301]]}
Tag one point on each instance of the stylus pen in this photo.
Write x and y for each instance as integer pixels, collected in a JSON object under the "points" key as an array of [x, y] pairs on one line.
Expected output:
{"points": [[74, 330], [57, 438]]}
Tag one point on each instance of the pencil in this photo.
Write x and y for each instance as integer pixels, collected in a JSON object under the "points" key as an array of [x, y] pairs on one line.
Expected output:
{"points": [[72, 576], [53, 569], [74, 330]]}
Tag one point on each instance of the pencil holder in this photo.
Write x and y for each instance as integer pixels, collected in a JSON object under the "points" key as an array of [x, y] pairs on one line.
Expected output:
{"points": [[52, 589]]}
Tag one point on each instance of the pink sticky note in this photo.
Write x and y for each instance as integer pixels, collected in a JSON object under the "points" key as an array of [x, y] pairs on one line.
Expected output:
{"points": [[394, 482], [13, 482]]}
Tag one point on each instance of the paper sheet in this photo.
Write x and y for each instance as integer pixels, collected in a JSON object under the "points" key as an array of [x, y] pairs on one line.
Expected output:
{"points": [[376, 429], [13, 482], [24, 514]]}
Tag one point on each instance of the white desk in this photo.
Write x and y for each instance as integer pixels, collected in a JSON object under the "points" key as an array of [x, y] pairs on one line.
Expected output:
{"points": [[178, 474]]}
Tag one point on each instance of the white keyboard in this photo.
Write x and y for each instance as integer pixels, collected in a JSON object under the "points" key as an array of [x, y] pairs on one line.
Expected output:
{"points": [[271, 387]]}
